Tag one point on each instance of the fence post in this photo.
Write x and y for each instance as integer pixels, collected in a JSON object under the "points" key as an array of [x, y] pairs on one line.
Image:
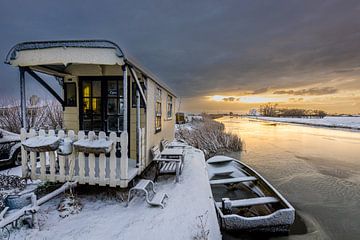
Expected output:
{"points": [[72, 157], [81, 155], [124, 165], [33, 157], [113, 161], [24, 168], [91, 161], [52, 160], [42, 159], [61, 135], [102, 163]]}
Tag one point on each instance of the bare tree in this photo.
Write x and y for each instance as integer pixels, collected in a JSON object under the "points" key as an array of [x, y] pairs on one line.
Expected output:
{"points": [[48, 114]]}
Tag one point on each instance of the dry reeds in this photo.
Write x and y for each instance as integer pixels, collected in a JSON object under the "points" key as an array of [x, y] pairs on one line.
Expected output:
{"points": [[209, 136]]}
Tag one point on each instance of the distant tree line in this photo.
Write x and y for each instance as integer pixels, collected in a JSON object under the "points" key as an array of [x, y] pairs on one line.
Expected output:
{"points": [[272, 110]]}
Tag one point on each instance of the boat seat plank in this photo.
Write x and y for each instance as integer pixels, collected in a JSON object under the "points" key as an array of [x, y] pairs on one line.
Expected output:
{"points": [[233, 180], [221, 160], [251, 202]]}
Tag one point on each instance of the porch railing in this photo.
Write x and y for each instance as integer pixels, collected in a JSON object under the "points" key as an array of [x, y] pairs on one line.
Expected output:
{"points": [[95, 169]]}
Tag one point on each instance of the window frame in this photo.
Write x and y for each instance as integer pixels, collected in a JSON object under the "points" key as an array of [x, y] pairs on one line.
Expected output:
{"points": [[169, 101], [158, 114]]}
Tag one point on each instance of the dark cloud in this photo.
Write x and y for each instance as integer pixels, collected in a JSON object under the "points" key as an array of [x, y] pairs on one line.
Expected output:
{"points": [[231, 99], [201, 47], [310, 91], [260, 90]]}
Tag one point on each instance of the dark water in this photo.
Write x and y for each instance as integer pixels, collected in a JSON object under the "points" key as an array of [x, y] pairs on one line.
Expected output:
{"points": [[316, 169]]}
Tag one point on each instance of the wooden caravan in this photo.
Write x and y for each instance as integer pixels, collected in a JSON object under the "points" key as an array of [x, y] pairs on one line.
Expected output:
{"points": [[103, 93]]}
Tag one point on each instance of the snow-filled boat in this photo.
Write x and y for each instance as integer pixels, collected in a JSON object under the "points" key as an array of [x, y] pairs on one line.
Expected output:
{"points": [[244, 200]]}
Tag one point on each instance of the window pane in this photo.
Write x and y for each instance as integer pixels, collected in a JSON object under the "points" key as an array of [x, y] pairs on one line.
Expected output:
{"points": [[112, 88], [112, 106], [86, 106], [97, 123], [96, 105], [158, 108], [70, 90], [87, 124], [120, 87], [113, 123], [121, 105], [86, 88], [96, 88]]}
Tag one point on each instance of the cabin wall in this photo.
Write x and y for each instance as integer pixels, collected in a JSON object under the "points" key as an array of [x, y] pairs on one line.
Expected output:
{"points": [[167, 125]]}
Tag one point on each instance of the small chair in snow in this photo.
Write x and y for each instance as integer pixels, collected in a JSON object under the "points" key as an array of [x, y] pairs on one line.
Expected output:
{"points": [[147, 186]]}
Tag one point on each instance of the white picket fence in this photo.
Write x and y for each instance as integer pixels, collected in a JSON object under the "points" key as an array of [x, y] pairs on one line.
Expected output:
{"points": [[78, 166]]}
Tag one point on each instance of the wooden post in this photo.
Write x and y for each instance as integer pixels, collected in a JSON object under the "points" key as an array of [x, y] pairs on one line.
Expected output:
{"points": [[113, 160], [138, 130], [72, 157], [42, 160], [124, 164], [52, 160], [81, 155], [61, 135], [33, 157], [125, 97], [102, 163], [143, 147], [22, 98], [91, 161], [24, 168]]}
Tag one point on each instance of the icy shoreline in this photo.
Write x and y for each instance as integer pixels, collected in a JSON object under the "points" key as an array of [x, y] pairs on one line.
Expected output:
{"points": [[331, 122]]}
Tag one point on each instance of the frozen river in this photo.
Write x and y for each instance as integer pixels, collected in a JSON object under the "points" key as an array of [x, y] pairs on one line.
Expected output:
{"points": [[316, 169]]}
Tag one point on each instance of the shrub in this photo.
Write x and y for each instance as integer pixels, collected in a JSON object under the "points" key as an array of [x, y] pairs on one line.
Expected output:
{"points": [[209, 136]]}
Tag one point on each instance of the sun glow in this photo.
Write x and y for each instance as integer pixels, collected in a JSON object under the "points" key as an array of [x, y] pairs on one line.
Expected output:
{"points": [[217, 98]]}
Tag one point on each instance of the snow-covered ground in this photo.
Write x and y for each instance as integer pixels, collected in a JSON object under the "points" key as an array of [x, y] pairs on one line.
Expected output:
{"points": [[110, 219], [341, 122]]}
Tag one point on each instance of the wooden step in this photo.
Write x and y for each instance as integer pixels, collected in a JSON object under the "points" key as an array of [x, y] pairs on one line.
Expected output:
{"points": [[233, 180], [251, 202]]}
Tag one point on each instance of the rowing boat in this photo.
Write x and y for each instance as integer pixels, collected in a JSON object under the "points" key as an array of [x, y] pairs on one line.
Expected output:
{"points": [[244, 200]]}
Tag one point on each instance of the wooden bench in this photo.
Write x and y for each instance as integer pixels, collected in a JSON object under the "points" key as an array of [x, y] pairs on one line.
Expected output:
{"points": [[166, 144], [146, 187], [166, 165]]}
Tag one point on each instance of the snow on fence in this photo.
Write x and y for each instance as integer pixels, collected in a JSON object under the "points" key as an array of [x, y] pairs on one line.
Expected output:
{"points": [[94, 168]]}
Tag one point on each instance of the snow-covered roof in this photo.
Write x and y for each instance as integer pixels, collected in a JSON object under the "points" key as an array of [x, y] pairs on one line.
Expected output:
{"points": [[55, 56]]}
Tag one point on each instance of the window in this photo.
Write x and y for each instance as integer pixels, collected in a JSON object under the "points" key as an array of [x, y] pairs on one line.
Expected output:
{"points": [[169, 107], [70, 94], [158, 110]]}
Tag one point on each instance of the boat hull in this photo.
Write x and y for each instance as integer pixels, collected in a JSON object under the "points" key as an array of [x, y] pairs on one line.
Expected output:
{"points": [[278, 220]]}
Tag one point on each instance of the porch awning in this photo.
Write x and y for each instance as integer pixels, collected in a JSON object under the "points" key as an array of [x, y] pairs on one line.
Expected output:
{"points": [[55, 53]]}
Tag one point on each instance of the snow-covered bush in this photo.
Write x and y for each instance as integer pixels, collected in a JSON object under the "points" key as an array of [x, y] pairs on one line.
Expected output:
{"points": [[209, 136]]}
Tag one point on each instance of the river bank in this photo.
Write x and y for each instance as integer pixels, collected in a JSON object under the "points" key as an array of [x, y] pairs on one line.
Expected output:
{"points": [[330, 122], [316, 169]]}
